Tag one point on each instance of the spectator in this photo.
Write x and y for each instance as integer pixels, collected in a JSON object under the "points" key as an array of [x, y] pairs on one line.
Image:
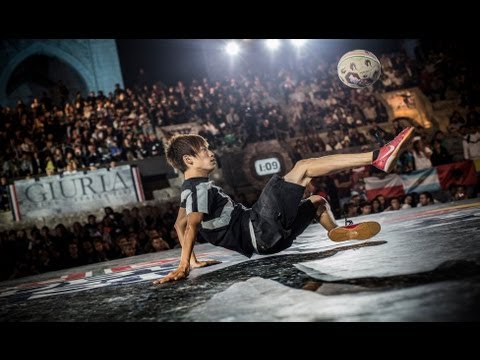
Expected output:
{"points": [[440, 155], [425, 199], [408, 202], [471, 143], [365, 208], [421, 154], [394, 204]]}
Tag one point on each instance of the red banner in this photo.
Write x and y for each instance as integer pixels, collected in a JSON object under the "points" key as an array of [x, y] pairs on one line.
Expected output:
{"points": [[459, 173], [389, 186]]}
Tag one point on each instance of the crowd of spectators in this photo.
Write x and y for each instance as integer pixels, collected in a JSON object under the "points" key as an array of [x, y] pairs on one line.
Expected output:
{"points": [[117, 235], [51, 135]]}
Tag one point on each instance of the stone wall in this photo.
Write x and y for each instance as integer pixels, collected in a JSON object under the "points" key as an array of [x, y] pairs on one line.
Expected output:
{"points": [[95, 61]]}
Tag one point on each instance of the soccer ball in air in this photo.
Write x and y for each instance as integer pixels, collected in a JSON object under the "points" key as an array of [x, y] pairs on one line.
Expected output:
{"points": [[359, 68]]}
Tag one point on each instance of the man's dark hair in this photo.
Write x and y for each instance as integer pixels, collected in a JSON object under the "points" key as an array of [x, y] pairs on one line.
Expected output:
{"points": [[180, 145]]}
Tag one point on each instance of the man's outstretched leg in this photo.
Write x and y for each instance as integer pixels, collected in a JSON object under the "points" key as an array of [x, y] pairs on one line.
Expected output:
{"points": [[384, 159], [361, 231]]}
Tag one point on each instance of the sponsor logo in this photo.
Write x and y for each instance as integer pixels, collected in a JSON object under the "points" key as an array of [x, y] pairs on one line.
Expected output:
{"points": [[390, 150]]}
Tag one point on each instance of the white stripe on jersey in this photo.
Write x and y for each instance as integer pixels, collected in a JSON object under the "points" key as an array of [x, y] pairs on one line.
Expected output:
{"points": [[221, 221], [202, 196]]}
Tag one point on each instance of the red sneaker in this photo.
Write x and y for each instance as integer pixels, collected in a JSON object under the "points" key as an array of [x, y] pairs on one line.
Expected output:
{"points": [[388, 155], [361, 231]]}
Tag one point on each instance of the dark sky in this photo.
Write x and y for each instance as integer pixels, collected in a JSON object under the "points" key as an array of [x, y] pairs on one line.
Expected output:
{"points": [[163, 59], [170, 60]]}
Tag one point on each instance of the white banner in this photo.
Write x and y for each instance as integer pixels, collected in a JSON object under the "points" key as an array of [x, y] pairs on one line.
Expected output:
{"points": [[80, 191]]}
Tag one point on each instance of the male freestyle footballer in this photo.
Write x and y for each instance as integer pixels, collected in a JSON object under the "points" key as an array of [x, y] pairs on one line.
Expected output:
{"points": [[279, 215]]}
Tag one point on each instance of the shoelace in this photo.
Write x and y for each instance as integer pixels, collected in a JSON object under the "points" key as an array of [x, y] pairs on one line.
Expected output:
{"points": [[347, 222]]}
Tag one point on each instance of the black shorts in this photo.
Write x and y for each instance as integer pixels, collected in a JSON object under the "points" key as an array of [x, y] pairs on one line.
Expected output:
{"points": [[280, 215]]}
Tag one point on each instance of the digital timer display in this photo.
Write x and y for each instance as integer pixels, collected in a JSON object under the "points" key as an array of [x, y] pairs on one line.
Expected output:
{"points": [[267, 166]]}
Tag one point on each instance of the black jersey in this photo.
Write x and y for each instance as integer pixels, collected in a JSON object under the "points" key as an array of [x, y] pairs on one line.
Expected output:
{"points": [[225, 223]]}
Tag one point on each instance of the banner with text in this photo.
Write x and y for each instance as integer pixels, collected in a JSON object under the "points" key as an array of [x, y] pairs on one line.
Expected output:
{"points": [[80, 191]]}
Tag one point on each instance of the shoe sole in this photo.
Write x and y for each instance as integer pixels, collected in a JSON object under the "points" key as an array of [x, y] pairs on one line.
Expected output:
{"points": [[363, 231], [399, 149]]}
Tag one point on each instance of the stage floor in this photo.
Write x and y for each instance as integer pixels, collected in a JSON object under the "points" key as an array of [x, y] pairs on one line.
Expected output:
{"points": [[423, 266]]}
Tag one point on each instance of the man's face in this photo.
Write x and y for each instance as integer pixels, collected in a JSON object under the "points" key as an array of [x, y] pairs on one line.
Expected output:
{"points": [[203, 160]]}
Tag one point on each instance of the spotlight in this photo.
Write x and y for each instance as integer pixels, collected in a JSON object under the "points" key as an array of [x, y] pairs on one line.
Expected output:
{"points": [[272, 44], [298, 42], [232, 48]]}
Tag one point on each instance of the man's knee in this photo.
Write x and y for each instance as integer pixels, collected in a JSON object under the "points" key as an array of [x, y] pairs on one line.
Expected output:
{"points": [[298, 173], [303, 165], [324, 212], [319, 202]]}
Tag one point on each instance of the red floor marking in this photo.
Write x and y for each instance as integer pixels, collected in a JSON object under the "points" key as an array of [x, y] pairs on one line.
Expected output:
{"points": [[75, 276]]}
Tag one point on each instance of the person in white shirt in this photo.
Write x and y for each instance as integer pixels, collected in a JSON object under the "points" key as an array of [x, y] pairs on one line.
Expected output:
{"points": [[421, 154], [471, 143]]}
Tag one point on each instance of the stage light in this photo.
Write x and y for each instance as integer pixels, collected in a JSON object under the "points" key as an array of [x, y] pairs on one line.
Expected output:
{"points": [[272, 44], [232, 48], [298, 42]]}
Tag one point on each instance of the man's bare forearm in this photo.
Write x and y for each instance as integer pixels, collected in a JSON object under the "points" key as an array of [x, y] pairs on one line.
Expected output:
{"points": [[190, 224], [187, 247], [181, 235]]}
